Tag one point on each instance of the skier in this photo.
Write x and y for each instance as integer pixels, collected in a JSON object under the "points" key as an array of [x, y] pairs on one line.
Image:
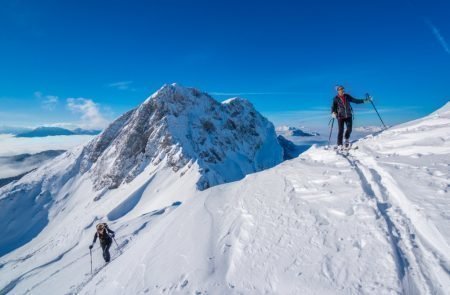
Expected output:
{"points": [[342, 111], [104, 234]]}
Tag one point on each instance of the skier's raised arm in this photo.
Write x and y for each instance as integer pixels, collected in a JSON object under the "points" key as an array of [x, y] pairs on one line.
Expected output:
{"points": [[356, 100]]}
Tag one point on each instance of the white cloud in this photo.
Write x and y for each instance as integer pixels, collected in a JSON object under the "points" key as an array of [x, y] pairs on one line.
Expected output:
{"points": [[438, 36], [48, 102], [11, 145], [122, 85], [91, 117]]}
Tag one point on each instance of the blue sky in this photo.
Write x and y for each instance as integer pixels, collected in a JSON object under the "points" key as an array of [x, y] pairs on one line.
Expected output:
{"points": [[86, 62]]}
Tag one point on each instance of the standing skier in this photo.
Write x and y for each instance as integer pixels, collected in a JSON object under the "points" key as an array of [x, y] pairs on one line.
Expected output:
{"points": [[104, 234], [342, 111]]}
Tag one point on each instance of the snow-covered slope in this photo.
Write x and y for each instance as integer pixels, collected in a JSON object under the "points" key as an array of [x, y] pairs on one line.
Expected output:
{"points": [[373, 222]]}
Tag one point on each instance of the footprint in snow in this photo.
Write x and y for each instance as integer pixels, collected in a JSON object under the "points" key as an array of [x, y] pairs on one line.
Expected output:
{"points": [[320, 220]]}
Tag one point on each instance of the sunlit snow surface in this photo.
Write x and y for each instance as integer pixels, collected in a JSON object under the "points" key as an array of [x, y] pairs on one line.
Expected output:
{"points": [[374, 222]]}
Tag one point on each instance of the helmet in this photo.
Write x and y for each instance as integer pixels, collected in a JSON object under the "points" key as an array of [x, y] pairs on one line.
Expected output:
{"points": [[338, 87]]}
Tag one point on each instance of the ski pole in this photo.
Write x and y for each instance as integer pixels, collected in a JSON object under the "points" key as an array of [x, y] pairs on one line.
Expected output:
{"points": [[331, 130], [111, 236], [116, 242], [90, 251], [368, 96]]}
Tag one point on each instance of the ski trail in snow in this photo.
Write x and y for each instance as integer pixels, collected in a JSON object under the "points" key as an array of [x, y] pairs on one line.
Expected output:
{"points": [[211, 257], [126, 243], [77, 288], [423, 240], [11, 285], [393, 232], [413, 251]]}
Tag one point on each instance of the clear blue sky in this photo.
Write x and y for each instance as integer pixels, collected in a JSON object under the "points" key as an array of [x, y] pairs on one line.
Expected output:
{"points": [[86, 62]]}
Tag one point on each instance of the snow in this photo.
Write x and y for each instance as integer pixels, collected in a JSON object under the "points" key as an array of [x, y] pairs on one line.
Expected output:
{"points": [[177, 126], [368, 129], [373, 222]]}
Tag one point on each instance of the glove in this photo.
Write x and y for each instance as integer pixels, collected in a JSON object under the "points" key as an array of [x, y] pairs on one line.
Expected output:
{"points": [[368, 99], [113, 235], [90, 247], [333, 115]]}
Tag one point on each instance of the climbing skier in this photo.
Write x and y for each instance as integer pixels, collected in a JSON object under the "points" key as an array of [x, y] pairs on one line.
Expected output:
{"points": [[342, 111], [104, 233]]}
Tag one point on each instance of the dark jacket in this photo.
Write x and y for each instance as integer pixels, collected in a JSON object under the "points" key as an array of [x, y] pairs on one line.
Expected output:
{"points": [[104, 238], [342, 110]]}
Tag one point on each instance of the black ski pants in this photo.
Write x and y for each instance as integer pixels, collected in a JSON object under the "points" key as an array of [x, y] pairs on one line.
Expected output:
{"points": [[348, 122], [105, 248]]}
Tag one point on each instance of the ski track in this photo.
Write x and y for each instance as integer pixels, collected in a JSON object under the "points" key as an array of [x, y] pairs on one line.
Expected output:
{"points": [[32, 272], [410, 248], [76, 289], [393, 232]]}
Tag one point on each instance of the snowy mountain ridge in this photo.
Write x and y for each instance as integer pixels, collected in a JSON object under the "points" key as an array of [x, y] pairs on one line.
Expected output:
{"points": [[372, 222], [181, 126], [294, 131]]}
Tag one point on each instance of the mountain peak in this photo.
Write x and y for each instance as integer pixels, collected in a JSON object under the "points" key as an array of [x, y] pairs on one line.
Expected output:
{"points": [[174, 92], [178, 125]]}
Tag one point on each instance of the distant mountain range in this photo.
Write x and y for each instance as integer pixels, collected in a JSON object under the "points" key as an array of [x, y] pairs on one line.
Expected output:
{"points": [[294, 131], [13, 129], [54, 131]]}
